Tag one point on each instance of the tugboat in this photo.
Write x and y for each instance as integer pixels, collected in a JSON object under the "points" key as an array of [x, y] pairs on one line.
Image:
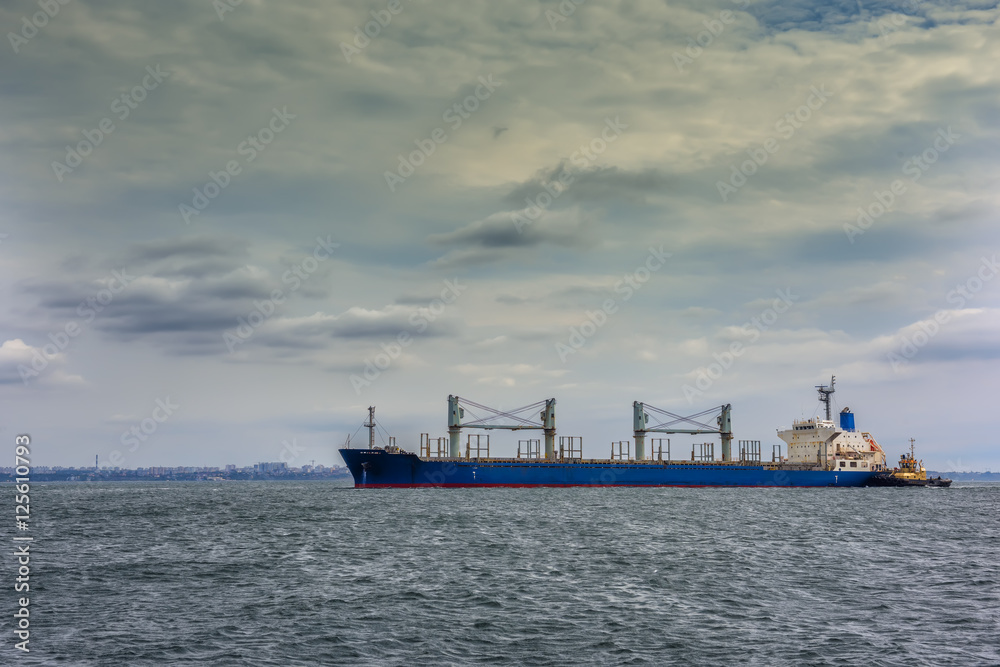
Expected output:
{"points": [[909, 472]]}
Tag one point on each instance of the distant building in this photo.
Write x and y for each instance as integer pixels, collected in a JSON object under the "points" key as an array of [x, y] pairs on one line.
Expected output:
{"points": [[270, 468]]}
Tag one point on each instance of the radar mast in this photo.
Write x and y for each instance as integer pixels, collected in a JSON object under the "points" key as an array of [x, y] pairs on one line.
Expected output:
{"points": [[824, 394]]}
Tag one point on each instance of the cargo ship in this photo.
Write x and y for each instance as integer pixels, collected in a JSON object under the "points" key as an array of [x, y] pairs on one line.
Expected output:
{"points": [[818, 453]]}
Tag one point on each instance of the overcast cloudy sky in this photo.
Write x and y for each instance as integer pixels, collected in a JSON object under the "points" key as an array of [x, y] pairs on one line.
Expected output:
{"points": [[217, 216]]}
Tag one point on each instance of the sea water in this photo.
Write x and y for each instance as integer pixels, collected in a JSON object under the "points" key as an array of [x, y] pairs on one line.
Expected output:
{"points": [[319, 573]]}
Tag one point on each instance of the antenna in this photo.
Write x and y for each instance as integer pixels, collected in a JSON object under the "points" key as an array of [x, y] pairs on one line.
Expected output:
{"points": [[911, 449], [824, 394], [371, 427]]}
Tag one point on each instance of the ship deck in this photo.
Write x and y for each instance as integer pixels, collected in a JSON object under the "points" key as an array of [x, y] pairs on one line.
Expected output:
{"points": [[496, 460]]}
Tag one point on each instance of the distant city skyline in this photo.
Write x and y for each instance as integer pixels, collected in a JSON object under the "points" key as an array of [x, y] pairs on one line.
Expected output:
{"points": [[227, 468], [259, 471]]}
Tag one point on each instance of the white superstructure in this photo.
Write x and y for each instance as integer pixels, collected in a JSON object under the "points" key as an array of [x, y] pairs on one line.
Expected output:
{"points": [[820, 442], [829, 446]]}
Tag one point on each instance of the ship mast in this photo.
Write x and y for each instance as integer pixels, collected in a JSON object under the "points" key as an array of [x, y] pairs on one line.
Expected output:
{"points": [[824, 394], [370, 425], [912, 454]]}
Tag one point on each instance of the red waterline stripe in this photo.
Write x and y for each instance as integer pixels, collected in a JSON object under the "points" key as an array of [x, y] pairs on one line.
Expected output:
{"points": [[530, 486]]}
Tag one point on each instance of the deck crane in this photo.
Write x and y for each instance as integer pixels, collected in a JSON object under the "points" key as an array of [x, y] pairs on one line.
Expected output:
{"points": [[677, 423], [546, 421]]}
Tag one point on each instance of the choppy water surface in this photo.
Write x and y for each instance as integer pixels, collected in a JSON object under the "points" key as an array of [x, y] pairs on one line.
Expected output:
{"points": [[246, 573]]}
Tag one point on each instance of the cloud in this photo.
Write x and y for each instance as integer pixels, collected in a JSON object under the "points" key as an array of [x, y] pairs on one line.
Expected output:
{"points": [[151, 304], [498, 238], [190, 247], [510, 374], [341, 340], [23, 364], [966, 335], [593, 184]]}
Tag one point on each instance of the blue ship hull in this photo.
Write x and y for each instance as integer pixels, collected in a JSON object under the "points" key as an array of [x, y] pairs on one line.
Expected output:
{"points": [[374, 468]]}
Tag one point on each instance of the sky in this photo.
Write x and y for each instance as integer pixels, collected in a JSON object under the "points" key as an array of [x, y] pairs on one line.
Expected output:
{"points": [[227, 228]]}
